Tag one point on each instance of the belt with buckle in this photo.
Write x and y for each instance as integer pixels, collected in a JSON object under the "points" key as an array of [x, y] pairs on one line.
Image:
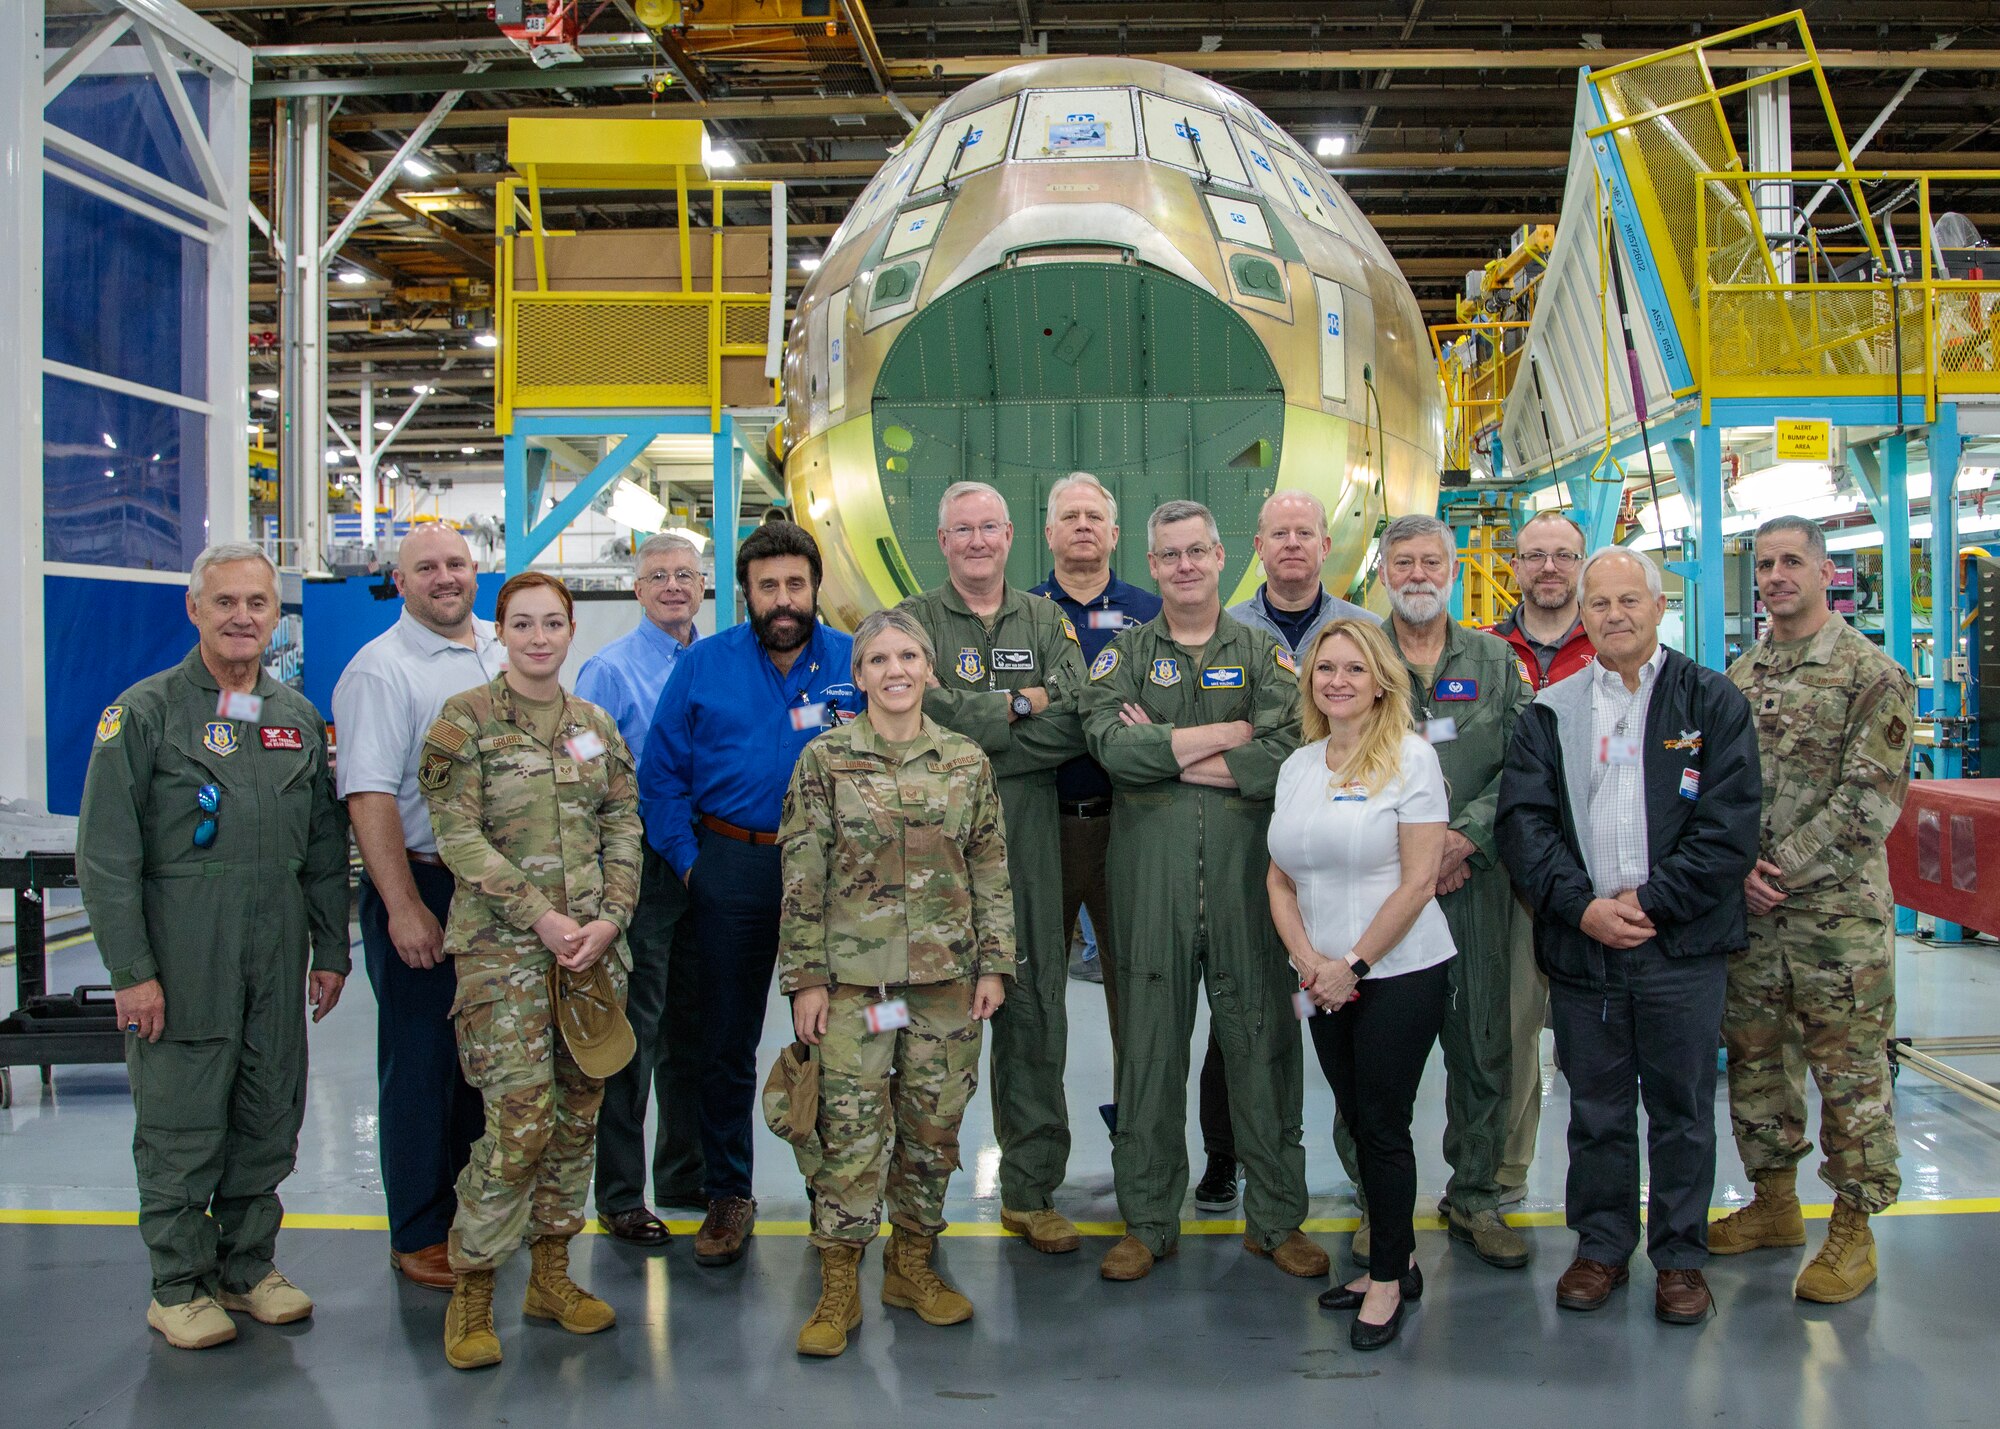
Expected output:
{"points": [[1086, 808], [425, 858], [742, 836]]}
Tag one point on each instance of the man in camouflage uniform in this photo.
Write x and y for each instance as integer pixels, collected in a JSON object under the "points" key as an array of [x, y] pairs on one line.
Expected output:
{"points": [[896, 890], [1011, 680], [537, 816], [1834, 716]]}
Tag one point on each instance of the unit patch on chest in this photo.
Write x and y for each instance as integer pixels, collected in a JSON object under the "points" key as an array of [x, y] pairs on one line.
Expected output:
{"points": [[1166, 672], [969, 667], [218, 736], [1013, 661]]}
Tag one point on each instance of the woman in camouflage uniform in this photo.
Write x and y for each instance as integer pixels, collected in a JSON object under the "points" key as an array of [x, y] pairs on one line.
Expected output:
{"points": [[535, 805], [898, 913]]}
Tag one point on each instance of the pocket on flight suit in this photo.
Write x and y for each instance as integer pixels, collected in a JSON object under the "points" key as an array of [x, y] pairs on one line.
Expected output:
{"points": [[504, 1030]]}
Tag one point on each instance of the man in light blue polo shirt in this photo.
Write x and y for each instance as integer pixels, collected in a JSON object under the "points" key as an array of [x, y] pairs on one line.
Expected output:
{"points": [[625, 678], [385, 701]]}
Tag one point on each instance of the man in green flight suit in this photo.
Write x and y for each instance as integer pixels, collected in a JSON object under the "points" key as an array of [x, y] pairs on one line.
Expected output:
{"points": [[1010, 678], [1470, 687], [1191, 714], [212, 856]]}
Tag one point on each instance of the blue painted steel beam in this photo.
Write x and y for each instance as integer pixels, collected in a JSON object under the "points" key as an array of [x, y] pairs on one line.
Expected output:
{"points": [[1886, 488], [1703, 573], [722, 524], [523, 546], [1945, 450]]}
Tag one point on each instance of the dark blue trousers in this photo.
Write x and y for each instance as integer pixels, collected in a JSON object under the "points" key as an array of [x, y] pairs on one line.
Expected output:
{"points": [[428, 1116], [733, 894]]}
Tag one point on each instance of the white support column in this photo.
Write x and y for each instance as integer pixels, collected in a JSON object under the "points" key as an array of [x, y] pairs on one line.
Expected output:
{"points": [[302, 329], [229, 297], [23, 736], [1771, 152], [371, 454]]}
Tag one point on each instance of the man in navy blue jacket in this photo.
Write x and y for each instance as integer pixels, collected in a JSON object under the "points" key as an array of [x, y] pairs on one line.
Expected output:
{"points": [[1629, 817]]}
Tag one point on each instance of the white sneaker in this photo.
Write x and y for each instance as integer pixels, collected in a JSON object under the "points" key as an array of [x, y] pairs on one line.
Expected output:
{"points": [[196, 1325], [274, 1300]]}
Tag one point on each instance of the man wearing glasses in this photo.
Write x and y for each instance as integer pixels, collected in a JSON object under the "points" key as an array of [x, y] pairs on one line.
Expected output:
{"points": [[1009, 677], [212, 856], [1469, 688], [625, 679], [1546, 631]]}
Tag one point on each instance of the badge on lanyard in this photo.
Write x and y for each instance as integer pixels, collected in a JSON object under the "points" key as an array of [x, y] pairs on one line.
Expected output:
{"points": [[1618, 749], [1442, 730], [887, 1016], [1107, 620], [585, 745], [809, 716], [239, 704]]}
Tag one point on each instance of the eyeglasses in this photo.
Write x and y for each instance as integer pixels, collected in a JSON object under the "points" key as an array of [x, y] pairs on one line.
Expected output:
{"points": [[989, 530], [1172, 556], [1564, 559], [208, 798], [691, 579]]}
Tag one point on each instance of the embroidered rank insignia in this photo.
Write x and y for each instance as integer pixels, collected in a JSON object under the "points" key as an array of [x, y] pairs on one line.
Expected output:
{"points": [[1897, 733], [435, 772], [1284, 659], [1104, 664], [970, 668], [219, 736], [1070, 630], [1455, 690], [1223, 677], [109, 723], [1166, 672], [279, 736]]}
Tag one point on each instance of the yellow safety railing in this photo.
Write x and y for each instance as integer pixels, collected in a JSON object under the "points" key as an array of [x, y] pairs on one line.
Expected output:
{"points": [[585, 348], [1486, 558], [1773, 334], [1476, 363]]}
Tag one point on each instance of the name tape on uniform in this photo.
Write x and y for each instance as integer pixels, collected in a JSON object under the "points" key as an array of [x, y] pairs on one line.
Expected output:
{"points": [[280, 736], [888, 1016], [586, 746], [235, 704], [1455, 690], [1440, 731]]}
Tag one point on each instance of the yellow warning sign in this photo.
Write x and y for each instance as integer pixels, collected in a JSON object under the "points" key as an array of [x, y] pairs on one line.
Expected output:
{"points": [[1804, 439]]}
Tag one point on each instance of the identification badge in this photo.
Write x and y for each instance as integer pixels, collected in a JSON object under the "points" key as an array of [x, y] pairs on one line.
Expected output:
{"points": [[1347, 793], [1016, 661], [1455, 690], [1223, 677], [586, 746], [808, 716], [887, 1016], [235, 704], [1440, 731], [1690, 783], [1618, 749], [1107, 620], [280, 736], [1303, 1005]]}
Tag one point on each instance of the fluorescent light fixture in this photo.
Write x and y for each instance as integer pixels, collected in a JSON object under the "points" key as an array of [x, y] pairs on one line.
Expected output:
{"points": [[352, 276], [1822, 509], [1867, 538], [269, 394], [253, 428], [1971, 481], [109, 474], [717, 158], [808, 265], [110, 441], [1783, 487], [422, 389], [635, 507], [332, 456], [1331, 146], [1670, 512], [687, 533], [467, 451], [416, 168], [382, 425], [485, 339]]}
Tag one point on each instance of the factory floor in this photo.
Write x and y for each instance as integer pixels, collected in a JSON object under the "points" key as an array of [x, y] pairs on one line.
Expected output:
{"points": [[1214, 1336]]}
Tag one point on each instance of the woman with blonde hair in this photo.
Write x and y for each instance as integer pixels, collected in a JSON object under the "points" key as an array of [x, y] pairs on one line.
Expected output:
{"points": [[1357, 833]]}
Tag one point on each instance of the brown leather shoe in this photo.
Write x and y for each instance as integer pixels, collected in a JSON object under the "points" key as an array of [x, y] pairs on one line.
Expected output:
{"points": [[1296, 1255], [637, 1226], [1587, 1284], [1681, 1297], [1130, 1259], [720, 1241], [429, 1267]]}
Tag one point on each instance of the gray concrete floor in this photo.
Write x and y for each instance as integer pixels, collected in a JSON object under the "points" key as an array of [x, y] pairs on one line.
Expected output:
{"points": [[1212, 1334]]}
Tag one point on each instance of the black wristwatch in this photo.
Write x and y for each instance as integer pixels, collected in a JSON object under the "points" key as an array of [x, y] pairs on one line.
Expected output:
{"points": [[1358, 966], [1021, 705]]}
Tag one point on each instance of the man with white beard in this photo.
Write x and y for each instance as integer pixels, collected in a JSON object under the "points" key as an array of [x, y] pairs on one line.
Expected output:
{"points": [[1469, 688]]}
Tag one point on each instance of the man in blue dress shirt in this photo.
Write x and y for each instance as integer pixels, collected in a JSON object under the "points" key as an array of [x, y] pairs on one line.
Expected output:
{"points": [[1082, 532], [625, 678], [737, 711]]}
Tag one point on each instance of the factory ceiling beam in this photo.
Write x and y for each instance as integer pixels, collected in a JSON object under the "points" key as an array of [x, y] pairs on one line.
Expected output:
{"points": [[862, 106], [517, 80], [1456, 58], [387, 177]]}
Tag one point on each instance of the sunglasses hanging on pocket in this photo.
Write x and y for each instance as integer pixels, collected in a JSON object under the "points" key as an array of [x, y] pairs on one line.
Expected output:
{"points": [[208, 799]]}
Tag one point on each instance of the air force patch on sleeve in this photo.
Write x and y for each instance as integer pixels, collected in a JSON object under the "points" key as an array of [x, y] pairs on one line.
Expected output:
{"points": [[110, 723], [1284, 659], [1104, 664], [1069, 630]]}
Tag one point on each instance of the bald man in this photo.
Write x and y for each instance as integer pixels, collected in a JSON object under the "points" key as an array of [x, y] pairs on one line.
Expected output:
{"points": [[388, 696]]}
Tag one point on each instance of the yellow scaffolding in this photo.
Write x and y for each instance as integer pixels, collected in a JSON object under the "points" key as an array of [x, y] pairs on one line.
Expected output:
{"points": [[605, 348]]}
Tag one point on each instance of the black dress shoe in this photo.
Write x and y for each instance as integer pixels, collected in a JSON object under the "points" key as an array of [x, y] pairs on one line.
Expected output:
{"points": [[1364, 1336], [637, 1226], [1342, 1298]]}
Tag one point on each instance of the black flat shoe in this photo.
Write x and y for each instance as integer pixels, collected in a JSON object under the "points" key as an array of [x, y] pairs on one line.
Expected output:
{"points": [[1364, 1336], [1341, 1298]]}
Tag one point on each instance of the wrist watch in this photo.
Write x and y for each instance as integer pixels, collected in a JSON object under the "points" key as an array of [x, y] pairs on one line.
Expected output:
{"points": [[1021, 705], [1358, 965]]}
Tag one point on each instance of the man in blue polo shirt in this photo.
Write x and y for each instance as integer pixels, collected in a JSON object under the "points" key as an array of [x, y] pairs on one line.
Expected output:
{"points": [[1082, 532], [735, 714], [625, 679]]}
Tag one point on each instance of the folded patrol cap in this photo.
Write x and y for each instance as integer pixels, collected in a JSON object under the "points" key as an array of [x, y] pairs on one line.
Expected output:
{"points": [[791, 1104], [591, 1015]]}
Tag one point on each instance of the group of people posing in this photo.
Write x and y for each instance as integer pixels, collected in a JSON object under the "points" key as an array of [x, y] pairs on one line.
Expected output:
{"points": [[1403, 832]]}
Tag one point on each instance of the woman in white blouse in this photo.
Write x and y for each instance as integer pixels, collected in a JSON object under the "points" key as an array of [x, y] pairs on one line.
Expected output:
{"points": [[1357, 832]]}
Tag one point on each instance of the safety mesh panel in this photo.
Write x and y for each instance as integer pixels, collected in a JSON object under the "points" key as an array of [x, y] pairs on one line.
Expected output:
{"points": [[591, 343], [745, 323], [1838, 332]]}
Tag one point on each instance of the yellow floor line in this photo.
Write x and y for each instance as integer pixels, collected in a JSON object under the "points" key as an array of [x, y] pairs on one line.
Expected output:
{"points": [[1330, 1225]]}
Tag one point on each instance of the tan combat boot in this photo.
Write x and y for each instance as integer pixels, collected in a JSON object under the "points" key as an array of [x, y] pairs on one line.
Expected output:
{"points": [[1772, 1218], [839, 1307], [910, 1283], [552, 1295], [469, 1341], [1845, 1265]]}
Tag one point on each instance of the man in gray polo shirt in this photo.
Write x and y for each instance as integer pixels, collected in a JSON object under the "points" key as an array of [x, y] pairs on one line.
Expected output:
{"points": [[386, 699]]}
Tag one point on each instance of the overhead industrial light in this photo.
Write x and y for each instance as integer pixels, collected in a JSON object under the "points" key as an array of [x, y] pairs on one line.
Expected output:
{"points": [[1331, 146], [1783, 487], [689, 534], [332, 456], [633, 506], [269, 394], [467, 451], [110, 441], [382, 425], [485, 339], [808, 265], [423, 389], [352, 276], [712, 158], [1669, 512], [416, 168]]}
